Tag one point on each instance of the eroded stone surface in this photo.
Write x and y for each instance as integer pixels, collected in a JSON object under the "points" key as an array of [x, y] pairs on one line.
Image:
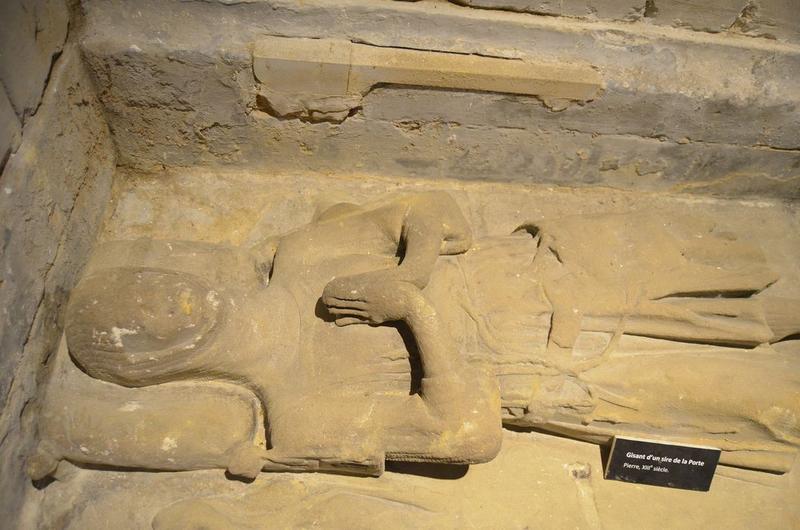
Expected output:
{"points": [[33, 35], [53, 194], [11, 131]]}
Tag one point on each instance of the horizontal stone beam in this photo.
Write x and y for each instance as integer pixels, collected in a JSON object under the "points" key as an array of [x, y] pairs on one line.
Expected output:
{"points": [[338, 67]]}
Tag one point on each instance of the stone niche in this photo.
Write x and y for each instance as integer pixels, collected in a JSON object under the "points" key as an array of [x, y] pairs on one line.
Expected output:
{"points": [[371, 263]]}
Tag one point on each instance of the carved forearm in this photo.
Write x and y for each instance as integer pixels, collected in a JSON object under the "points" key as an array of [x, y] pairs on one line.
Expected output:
{"points": [[463, 402], [437, 352]]}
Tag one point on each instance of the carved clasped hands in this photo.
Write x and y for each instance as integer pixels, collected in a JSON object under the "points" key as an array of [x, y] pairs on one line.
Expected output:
{"points": [[370, 298]]}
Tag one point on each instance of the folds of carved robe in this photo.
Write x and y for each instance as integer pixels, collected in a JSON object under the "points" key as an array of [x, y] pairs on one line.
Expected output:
{"points": [[628, 324]]}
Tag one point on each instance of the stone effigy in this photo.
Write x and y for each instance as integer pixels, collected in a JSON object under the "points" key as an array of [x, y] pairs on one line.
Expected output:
{"points": [[384, 331]]}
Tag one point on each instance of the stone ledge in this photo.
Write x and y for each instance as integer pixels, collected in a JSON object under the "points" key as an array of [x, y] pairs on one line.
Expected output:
{"points": [[673, 107]]}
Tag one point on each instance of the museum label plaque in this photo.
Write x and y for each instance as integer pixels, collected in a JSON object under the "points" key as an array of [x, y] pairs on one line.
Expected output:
{"points": [[656, 463]]}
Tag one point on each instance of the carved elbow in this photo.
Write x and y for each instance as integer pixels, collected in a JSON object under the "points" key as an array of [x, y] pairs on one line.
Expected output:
{"points": [[478, 439], [486, 446], [482, 427]]}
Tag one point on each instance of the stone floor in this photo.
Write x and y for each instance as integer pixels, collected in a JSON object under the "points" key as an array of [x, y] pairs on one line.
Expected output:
{"points": [[538, 481]]}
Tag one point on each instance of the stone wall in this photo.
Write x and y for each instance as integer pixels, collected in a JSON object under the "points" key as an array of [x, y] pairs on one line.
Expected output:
{"points": [[681, 110], [771, 19], [33, 35], [57, 166]]}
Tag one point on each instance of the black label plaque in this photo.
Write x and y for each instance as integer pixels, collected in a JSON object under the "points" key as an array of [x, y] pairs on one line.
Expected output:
{"points": [[688, 467]]}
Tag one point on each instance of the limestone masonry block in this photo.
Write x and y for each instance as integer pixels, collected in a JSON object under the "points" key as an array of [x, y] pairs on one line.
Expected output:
{"points": [[338, 67]]}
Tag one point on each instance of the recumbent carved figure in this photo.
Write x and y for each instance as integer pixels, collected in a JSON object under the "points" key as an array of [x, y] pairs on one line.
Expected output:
{"points": [[381, 331]]}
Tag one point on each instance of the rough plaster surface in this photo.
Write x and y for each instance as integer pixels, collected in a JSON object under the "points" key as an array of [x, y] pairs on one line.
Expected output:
{"points": [[669, 119], [53, 193]]}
